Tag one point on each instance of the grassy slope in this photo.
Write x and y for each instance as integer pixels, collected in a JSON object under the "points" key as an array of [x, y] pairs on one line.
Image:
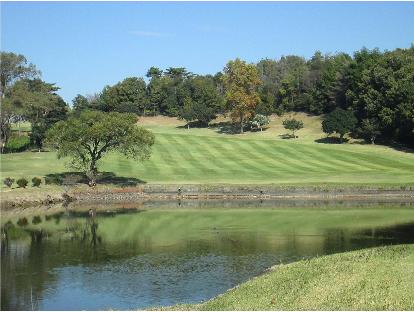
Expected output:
{"points": [[207, 156], [370, 279]]}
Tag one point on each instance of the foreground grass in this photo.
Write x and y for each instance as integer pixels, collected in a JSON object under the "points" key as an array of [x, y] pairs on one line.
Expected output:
{"points": [[184, 156], [371, 279]]}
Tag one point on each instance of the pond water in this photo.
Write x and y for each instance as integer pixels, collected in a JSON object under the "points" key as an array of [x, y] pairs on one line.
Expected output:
{"points": [[142, 255]]}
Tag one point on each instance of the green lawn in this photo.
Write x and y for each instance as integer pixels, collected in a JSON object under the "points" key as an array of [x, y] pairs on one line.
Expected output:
{"points": [[206, 156], [370, 279]]}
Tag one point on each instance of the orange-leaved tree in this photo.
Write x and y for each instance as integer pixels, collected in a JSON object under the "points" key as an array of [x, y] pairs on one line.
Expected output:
{"points": [[241, 81]]}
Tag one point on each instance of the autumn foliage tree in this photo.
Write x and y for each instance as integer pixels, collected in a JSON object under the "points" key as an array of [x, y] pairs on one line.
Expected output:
{"points": [[241, 82]]}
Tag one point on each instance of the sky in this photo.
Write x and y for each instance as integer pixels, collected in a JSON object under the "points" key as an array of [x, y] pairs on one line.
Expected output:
{"points": [[83, 46]]}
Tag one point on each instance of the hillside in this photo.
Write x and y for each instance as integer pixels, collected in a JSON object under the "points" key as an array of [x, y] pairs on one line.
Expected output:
{"points": [[201, 155]]}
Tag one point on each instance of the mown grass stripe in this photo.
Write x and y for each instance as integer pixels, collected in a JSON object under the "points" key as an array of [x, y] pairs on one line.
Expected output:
{"points": [[283, 158], [193, 162], [301, 155], [241, 158], [210, 158], [327, 160], [170, 159]]}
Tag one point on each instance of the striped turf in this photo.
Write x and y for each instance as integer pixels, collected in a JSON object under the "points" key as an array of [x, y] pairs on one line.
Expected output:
{"points": [[185, 158]]}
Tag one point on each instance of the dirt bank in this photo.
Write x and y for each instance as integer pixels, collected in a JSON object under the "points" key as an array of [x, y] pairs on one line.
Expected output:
{"points": [[44, 196]]}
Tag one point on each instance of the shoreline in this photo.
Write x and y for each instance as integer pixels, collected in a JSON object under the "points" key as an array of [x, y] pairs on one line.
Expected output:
{"points": [[20, 198], [314, 284]]}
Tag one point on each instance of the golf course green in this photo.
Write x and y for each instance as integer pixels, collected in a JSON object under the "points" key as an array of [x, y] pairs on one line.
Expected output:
{"points": [[208, 156]]}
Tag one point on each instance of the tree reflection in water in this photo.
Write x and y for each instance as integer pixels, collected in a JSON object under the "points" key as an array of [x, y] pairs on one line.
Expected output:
{"points": [[202, 252]]}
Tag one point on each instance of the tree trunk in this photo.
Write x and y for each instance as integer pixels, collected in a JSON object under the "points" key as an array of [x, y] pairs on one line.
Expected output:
{"points": [[188, 126], [372, 140], [341, 138], [241, 123], [92, 173]]}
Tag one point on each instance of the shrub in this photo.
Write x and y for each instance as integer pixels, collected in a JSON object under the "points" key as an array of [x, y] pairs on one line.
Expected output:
{"points": [[17, 144], [292, 125], [36, 181], [22, 182], [22, 222], [53, 179], [8, 181], [259, 121], [36, 220]]}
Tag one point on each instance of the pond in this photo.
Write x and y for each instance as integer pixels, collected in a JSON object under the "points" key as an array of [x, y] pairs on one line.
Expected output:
{"points": [[141, 255]]}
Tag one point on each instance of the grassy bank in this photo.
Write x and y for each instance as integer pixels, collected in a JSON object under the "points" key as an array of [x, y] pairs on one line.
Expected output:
{"points": [[211, 156], [371, 279]]}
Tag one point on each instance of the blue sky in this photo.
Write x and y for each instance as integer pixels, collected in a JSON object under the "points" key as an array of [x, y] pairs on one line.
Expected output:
{"points": [[83, 46]]}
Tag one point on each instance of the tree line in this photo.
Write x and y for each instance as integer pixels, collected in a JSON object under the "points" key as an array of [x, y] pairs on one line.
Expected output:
{"points": [[374, 88]]}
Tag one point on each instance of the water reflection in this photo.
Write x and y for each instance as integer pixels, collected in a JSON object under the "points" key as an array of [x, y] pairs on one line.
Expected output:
{"points": [[135, 258]]}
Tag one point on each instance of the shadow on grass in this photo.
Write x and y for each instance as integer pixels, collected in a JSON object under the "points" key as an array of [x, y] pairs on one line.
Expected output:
{"points": [[394, 145], [41, 150], [193, 124], [225, 127], [287, 136], [72, 178], [331, 140], [111, 178], [258, 129]]}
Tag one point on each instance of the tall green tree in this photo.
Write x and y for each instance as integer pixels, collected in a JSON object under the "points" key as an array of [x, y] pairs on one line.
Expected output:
{"points": [[369, 130], [154, 73], [127, 96], [39, 104], [14, 67], [241, 81], [89, 137], [330, 87], [340, 121], [188, 112], [79, 104], [206, 98], [382, 86]]}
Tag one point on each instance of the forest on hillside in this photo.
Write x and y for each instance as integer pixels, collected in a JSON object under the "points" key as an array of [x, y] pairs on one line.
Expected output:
{"points": [[376, 87]]}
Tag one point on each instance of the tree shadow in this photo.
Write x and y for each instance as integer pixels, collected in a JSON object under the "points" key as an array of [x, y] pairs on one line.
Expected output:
{"points": [[41, 151], [193, 124], [331, 140], [394, 145], [73, 178], [225, 127], [112, 178], [258, 129], [287, 136], [402, 148]]}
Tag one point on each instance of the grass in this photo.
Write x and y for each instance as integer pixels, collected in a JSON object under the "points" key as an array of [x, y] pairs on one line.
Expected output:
{"points": [[207, 156], [370, 279]]}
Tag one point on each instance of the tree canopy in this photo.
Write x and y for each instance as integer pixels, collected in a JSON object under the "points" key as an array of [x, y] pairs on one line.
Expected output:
{"points": [[292, 125], [241, 81], [340, 121], [87, 138], [14, 67]]}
